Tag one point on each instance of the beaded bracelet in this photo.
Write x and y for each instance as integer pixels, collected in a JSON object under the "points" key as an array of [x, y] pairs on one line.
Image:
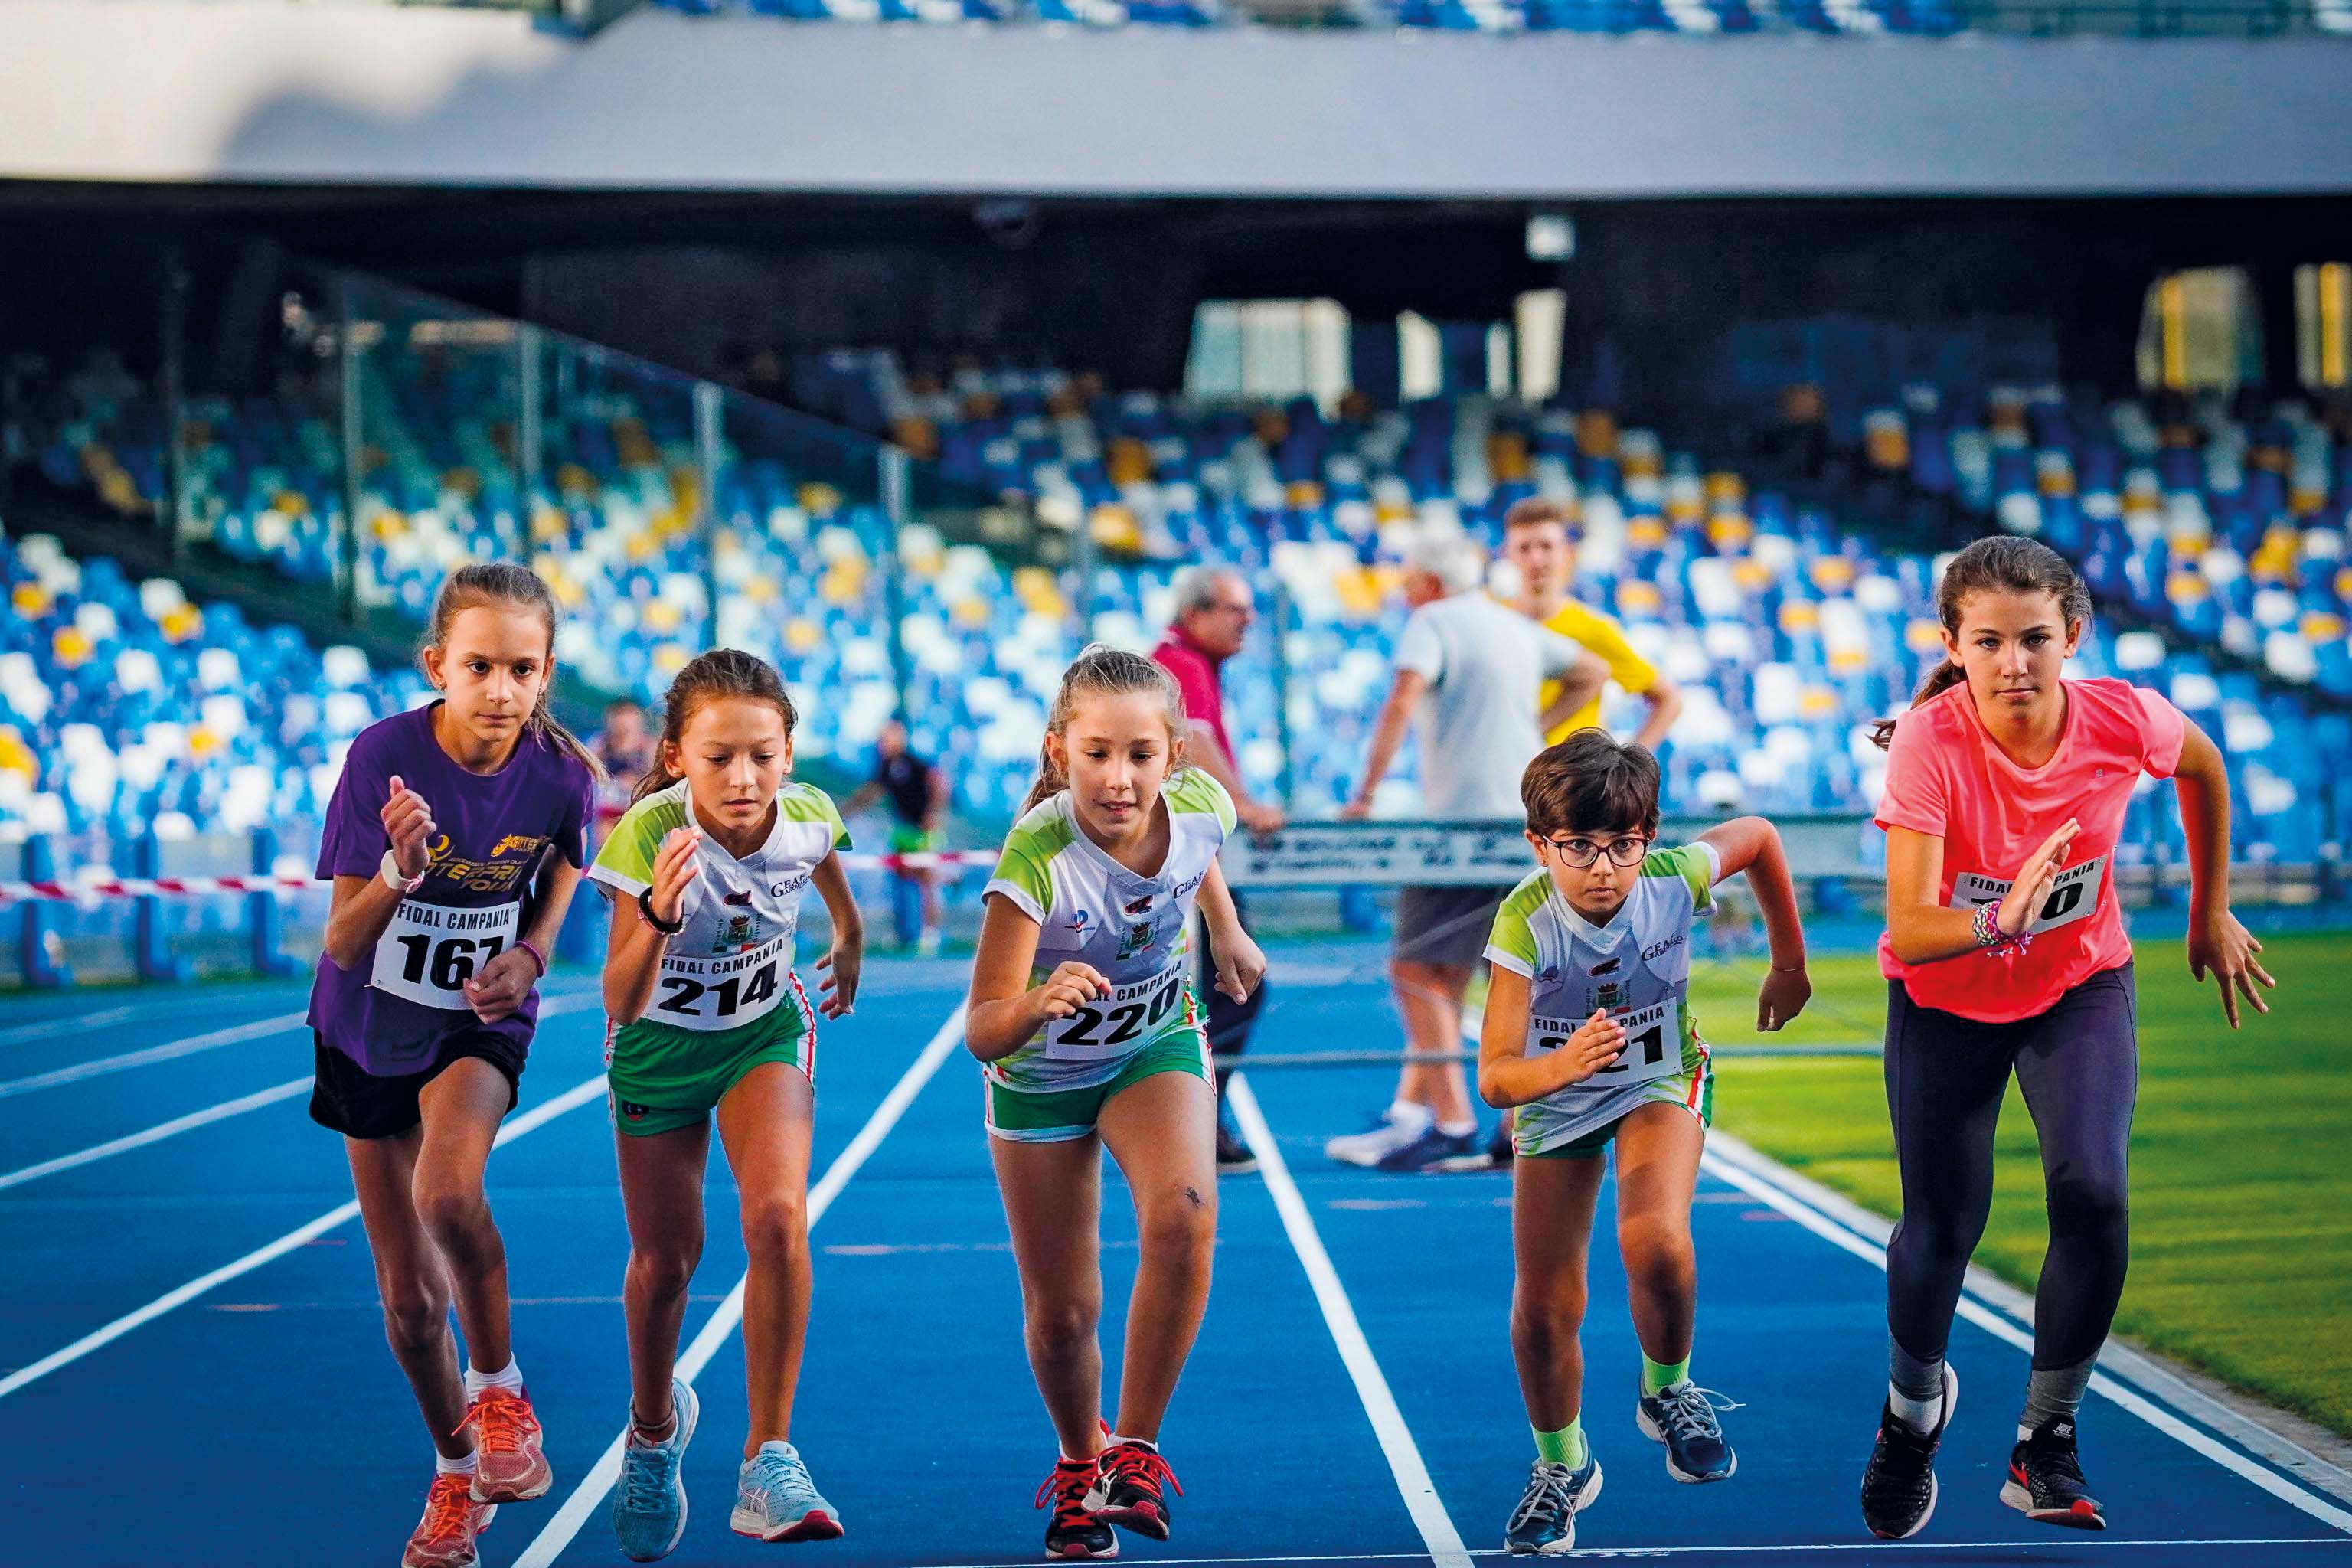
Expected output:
{"points": [[1985, 925]]}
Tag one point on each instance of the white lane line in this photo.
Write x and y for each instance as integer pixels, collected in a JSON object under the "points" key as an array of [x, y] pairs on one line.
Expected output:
{"points": [[157, 1133], [1413, 1479], [529, 1122], [172, 1050], [66, 1024], [590, 1493], [2002, 1329], [169, 1050]]}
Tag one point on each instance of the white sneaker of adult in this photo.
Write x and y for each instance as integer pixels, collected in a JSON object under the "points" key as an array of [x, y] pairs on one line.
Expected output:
{"points": [[1399, 1125]]}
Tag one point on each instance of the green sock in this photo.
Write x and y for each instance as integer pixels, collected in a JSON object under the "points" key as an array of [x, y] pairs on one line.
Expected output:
{"points": [[1565, 1446], [1658, 1376]]}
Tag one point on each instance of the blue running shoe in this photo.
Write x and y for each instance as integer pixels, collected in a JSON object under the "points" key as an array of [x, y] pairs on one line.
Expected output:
{"points": [[1544, 1524], [1685, 1419], [775, 1500], [649, 1502], [1432, 1150]]}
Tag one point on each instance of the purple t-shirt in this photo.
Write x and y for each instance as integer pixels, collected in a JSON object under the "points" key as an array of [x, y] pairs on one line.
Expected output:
{"points": [[391, 1011]]}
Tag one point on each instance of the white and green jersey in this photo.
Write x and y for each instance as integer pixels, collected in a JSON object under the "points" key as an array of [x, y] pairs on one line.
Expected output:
{"points": [[1637, 967], [732, 964], [1091, 909]]}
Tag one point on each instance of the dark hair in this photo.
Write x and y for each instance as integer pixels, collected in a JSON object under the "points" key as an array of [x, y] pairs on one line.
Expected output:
{"points": [[1591, 784], [1100, 668], [502, 583], [1530, 510], [721, 672], [2002, 563]]}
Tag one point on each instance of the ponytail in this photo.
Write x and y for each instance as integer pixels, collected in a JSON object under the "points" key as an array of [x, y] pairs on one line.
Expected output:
{"points": [[1050, 780], [2000, 564]]}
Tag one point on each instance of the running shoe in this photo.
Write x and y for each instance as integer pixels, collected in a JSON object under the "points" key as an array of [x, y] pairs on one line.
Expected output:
{"points": [[775, 1500], [1233, 1157], [1685, 1417], [1392, 1130], [508, 1466], [1544, 1524], [1074, 1530], [649, 1502], [1898, 1489], [1433, 1151], [454, 1520], [2046, 1480], [1130, 1490]]}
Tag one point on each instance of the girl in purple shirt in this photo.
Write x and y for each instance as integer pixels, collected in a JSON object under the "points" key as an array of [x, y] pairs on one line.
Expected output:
{"points": [[455, 837]]}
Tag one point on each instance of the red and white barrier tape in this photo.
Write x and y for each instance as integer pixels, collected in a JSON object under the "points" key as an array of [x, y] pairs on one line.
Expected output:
{"points": [[103, 889]]}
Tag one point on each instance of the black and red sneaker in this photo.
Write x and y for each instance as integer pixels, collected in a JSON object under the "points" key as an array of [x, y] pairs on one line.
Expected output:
{"points": [[1131, 1487], [1074, 1530], [2046, 1480]]}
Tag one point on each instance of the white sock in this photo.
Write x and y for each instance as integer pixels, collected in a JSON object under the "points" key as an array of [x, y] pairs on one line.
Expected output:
{"points": [[2023, 1431], [510, 1378], [1115, 1440], [443, 1465], [1407, 1113], [1919, 1415], [1462, 1129]]}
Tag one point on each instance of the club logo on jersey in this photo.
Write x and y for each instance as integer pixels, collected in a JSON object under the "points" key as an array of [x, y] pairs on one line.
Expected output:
{"points": [[741, 900], [1139, 906], [1606, 966], [1658, 948], [741, 932], [1138, 937], [516, 844], [1548, 975], [634, 1112], [789, 885], [1077, 923]]}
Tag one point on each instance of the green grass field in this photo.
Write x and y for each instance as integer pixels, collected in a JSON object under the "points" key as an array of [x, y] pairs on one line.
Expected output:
{"points": [[2241, 1156]]}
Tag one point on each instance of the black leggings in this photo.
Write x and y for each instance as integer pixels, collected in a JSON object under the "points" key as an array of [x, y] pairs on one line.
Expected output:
{"points": [[2079, 1066]]}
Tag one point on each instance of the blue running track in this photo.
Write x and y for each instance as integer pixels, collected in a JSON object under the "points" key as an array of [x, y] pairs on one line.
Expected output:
{"points": [[193, 1372]]}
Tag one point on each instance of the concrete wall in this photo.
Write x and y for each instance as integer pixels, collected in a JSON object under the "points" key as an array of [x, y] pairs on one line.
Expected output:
{"points": [[141, 91]]}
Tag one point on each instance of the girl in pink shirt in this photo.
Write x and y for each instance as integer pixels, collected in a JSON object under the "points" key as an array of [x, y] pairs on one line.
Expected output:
{"points": [[2004, 952]]}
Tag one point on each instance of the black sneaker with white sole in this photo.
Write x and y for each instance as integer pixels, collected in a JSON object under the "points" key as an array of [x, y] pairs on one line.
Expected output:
{"points": [[2046, 1480], [1898, 1487], [1074, 1530]]}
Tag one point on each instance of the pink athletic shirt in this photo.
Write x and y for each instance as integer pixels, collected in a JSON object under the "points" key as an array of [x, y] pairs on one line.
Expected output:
{"points": [[1944, 777]]}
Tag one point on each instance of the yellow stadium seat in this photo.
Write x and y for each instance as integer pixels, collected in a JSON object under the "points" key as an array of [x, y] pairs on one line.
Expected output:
{"points": [[969, 611], [1302, 495], [1636, 597], [661, 615], [69, 647], [1750, 576], [1799, 615], [2187, 587], [803, 636], [182, 623], [819, 500], [1730, 532], [669, 659], [1818, 702], [1507, 458], [202, 742], [1127, 461], [1596, 433], [1645, 533], [15, 757], [1833, 574], [1924, 635], [30, 599], [2322, 626], [1115, 529]]}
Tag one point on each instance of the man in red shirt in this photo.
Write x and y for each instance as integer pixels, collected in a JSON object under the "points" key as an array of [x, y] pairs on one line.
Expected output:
{"points": [[1214, 612]]}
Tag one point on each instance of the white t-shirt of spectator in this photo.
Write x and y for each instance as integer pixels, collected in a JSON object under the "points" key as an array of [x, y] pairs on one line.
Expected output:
{"points": [[1480, 722]]}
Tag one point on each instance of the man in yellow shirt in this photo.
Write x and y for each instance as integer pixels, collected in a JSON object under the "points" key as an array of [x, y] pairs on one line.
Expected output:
{"points": [[1535, 540]]}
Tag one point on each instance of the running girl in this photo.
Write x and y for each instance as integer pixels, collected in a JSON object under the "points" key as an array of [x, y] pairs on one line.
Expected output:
{"points": [[2004, 952], [1588, 1033], [705, 873], [1080, 1011], [454, 838]]}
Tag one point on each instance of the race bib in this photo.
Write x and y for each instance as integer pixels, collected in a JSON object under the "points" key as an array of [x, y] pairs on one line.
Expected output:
{"points": [[1111, 1026], [1653, 1044], [724, 991], [2072, 896], [429, 951]]}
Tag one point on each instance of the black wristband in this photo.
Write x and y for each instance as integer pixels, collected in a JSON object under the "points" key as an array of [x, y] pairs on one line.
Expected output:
{"points": [[645, 913]]}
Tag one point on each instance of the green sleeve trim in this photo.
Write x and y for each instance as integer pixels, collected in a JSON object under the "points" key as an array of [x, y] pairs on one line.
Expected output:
{"points": [[1197, 790], [1693, 864], [626, 860], [1512, 943], [807, 802]]}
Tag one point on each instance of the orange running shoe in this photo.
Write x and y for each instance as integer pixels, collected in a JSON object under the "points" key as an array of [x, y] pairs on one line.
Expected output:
{"points": [[509, 1467], [453, 1522]]}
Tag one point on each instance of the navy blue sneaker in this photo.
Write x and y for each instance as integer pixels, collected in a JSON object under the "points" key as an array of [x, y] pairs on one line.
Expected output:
{"points": [[1544, 1524], [2046, 1480], [1684, 1417], [1430, 1151]]}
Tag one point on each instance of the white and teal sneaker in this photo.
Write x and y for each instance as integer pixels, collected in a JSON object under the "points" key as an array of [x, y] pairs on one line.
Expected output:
{"points": [[649, 1502], [775, 1500], [1544, 1524], [1686, 1418]]}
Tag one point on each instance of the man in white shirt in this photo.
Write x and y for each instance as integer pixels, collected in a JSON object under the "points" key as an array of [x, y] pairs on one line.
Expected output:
{"points": [[1471, 670]]}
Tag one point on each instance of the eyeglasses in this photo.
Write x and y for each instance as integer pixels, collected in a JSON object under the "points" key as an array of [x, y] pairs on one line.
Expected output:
{"points": [[1579, 853]]}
